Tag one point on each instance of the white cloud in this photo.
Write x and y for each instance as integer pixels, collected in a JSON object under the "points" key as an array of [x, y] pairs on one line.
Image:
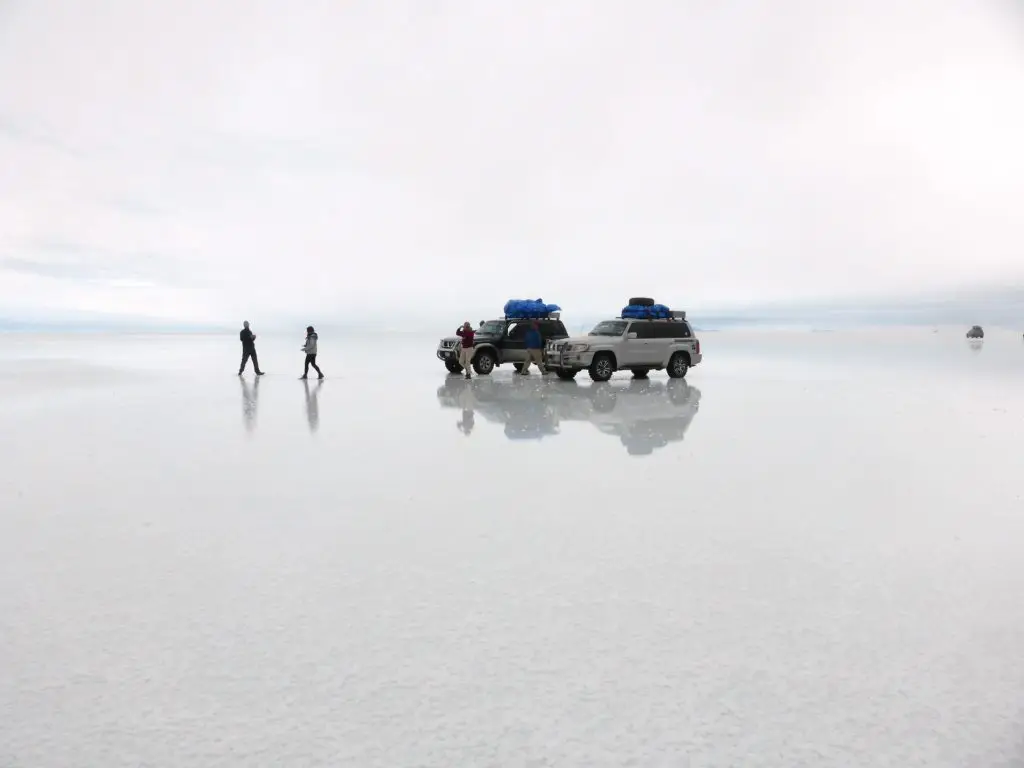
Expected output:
{"points": [[238, 158]]}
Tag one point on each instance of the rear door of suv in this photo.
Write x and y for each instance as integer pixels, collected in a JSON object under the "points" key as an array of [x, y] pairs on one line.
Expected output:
{"points": [[669, 336], [552, 329], [513, 346]]}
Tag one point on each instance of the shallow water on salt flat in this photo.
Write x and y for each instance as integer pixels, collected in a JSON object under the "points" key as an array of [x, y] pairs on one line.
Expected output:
{"points": [[808, 553]]}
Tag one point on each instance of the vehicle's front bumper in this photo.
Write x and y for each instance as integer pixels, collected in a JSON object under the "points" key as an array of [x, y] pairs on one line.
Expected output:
{"points": [[560, 360], [447, 353]]}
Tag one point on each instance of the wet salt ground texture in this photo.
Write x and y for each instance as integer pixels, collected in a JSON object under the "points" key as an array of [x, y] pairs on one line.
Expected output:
{"points": [[806, 554]]}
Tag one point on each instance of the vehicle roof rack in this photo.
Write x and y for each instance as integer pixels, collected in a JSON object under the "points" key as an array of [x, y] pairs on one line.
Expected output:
{"points": [[673, 315]]}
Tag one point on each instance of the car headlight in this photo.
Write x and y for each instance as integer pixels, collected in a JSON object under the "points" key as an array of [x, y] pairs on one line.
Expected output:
{"points": [[577, 347]]}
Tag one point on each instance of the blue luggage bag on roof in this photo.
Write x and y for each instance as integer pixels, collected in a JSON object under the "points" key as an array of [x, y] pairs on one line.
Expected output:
{"points": [[640, 312], [529, 308]]}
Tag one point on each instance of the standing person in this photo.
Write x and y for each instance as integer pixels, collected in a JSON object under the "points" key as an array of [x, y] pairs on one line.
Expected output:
{"points": [[468, 336], [248, 339], [534, 349], [310, 349]]}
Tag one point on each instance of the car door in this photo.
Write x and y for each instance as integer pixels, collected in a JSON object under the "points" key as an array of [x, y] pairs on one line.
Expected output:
{"points": [[638, 352], [513, 347], [663, 337], [551, 329], [672, 336]]}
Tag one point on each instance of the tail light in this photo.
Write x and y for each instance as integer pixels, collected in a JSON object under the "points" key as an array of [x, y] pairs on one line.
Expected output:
{"points": [[698, 346]]}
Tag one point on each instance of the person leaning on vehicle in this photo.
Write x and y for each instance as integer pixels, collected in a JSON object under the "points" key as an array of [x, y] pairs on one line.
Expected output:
{"points": [[468, 337], [534, 349]]}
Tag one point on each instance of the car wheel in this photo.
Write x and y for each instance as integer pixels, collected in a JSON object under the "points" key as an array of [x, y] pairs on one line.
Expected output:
{"points": [[483, 362], [452, 365], [641, 301], [678, 365], [602, 368], [566, 375], [640, 373]]}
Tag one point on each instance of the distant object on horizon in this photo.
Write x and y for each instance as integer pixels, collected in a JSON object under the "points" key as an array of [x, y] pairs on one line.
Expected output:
{"points": [[976, 332]]}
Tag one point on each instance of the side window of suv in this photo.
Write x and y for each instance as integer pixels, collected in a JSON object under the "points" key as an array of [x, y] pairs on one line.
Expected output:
{"points": [[516, 331], [552, 329], [643, 330], [671, 330]]}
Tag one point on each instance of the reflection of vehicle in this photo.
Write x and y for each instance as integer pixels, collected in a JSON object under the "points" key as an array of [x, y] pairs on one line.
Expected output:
{"points": [[499, 341], [630, 344], [976, 332], [643, 414], [513, 403]]}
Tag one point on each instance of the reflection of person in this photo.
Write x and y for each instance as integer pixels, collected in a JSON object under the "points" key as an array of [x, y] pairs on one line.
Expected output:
{"points": [[309, 347], [313, 405], [468, 337], [249, 403], [468, 421], [248, 339], [534, 349]]}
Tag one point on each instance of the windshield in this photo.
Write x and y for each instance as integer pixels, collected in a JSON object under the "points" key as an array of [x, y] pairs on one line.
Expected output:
{"points": [[609, 328], [491, 328]]}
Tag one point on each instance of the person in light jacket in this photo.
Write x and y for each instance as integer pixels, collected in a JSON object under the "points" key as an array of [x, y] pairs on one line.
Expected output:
{"points": [[310, 349]]}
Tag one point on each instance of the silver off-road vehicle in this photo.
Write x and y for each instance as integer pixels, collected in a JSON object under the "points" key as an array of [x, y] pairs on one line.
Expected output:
{"points": [[627, 344], [500, 341]]}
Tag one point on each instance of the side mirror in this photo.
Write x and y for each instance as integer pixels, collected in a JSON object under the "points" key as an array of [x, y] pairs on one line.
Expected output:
{"points": [[631, 335]]}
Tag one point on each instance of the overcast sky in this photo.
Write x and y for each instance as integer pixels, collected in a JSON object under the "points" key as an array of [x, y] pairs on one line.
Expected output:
{"points": [[212, 159]]}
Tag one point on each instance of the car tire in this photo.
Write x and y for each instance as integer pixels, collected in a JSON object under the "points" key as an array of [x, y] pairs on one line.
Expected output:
{"points": [[640, 373], [566, 375], [484, 362], [602, 367], [641, 301], [678, 365], [452, 365]]}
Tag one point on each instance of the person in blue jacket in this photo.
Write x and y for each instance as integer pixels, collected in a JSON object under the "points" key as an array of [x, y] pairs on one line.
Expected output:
{"points": [[534, 349]]}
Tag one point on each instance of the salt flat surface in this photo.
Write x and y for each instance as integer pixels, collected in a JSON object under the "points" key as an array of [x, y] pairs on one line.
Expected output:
{"points": [[808, 554]]}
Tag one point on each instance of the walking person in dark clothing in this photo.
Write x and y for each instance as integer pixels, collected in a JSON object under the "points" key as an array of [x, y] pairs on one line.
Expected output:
{"points": [[248, 339], [534, 350], [310, 349]]}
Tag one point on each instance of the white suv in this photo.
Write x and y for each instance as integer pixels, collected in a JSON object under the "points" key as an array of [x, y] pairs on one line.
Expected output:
{"points": [[625, 344]]}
